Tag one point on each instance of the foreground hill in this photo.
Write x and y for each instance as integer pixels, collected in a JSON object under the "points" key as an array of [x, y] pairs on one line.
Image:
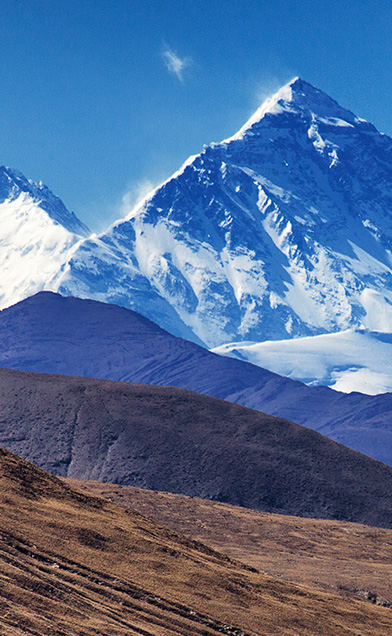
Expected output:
{"points": [[73, 564], [348, 558], [165, 438], [52, 334]]}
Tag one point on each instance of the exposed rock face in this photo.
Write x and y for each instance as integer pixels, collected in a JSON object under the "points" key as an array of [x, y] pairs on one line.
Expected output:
{"points": [[284, 230]]}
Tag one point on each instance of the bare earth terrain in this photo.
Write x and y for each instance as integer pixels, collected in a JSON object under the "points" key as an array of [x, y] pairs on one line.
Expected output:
{"points": [[74, 564]]}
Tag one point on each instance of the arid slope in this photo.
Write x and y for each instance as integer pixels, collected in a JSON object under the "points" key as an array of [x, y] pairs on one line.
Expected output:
{"points": [[348, 558], [72, 564]]}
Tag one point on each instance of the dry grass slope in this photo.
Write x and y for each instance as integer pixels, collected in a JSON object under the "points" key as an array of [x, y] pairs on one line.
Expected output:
{"points": [[73, 564], [349, 558]]}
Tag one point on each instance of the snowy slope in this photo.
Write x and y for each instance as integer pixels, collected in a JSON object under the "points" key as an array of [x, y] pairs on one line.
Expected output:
{"points": [[352, 360], [282, 231], [37, 235]]}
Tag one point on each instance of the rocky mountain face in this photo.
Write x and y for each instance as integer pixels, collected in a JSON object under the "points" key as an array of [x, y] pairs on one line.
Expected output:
{"points": [[283, 230]]}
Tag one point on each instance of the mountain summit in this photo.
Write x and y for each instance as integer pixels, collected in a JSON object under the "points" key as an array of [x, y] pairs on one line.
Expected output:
{"points": [[37, 233], [14, 185], [281, 231], [295, 96]]}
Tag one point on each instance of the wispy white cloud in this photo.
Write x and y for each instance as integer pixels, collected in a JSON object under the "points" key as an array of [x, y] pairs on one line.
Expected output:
{"points": [[174, 63], [269, 84], [135, 195]]}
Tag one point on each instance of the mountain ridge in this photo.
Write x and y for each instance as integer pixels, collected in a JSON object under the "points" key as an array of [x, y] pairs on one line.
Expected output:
{"points": [[53, 334]]}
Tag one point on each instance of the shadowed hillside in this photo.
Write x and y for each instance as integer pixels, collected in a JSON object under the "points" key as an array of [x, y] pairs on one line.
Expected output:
{"points": [[171, 439]]}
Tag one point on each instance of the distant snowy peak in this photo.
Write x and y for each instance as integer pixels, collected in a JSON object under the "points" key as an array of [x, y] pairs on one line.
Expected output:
{"points": [[37, 236], [13, 184]]}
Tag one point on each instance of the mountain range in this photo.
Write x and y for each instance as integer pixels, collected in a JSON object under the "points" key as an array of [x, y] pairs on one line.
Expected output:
{"points": [[52, 334], [267, 253], [283, 231]]}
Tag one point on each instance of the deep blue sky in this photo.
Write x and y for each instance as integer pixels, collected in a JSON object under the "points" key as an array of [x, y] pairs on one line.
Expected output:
{"points": [[89, 106]]}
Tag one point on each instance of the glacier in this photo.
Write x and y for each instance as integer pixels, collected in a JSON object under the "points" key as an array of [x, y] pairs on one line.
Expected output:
{"points": [[346, 361]]}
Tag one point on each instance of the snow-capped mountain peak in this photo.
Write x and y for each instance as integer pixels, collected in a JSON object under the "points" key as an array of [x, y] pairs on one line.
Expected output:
{"points": [[298, 96], [273, 105], [282, 231], [13, 184], [37, 236]]}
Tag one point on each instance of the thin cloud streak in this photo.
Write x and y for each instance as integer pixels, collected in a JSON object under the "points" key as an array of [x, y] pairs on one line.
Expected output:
{"points": [[175, 64], [135, 195]]}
